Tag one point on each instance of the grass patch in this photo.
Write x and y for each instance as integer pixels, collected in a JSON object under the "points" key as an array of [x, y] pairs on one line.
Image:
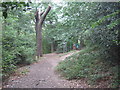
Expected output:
{"points": [[88, 64]]}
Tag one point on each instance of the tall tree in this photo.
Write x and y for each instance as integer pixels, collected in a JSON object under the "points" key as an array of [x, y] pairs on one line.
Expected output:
{"points": [[40, 17]]}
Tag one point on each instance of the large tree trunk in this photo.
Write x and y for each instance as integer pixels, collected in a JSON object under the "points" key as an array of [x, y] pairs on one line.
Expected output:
{"points": [[39, 40], [40, 17]]}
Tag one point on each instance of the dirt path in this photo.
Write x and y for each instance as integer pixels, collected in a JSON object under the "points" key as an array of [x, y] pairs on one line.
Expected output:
{"points": [[42, 75]]}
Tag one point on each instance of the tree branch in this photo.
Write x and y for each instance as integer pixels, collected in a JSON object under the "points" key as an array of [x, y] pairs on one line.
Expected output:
{"points": [[41, 13], [45, 13], [37, 16]]}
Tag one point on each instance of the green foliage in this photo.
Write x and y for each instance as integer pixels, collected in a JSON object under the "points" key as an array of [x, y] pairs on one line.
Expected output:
{"points": [[104, 18], [18, 42], [12, 5], [96, 26], [46, 46], [113, 24], [87, 64]]}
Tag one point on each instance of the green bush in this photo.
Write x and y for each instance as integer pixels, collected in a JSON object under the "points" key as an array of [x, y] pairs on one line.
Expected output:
{"points": [[17, 48], [88, 64]]}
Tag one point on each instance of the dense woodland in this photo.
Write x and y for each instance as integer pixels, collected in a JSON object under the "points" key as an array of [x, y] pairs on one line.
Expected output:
{"points": [[94, 26]]}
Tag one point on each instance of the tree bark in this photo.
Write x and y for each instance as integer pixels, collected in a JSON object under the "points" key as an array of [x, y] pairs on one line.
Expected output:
{"points": [[52, 47], [40, 17]]}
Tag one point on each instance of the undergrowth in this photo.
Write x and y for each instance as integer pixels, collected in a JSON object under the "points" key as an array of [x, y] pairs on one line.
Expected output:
{"points": [[88, 64]]}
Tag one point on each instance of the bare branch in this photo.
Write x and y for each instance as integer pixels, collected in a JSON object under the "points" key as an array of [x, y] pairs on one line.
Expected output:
{"points": [[46, 12], [42, 13]]}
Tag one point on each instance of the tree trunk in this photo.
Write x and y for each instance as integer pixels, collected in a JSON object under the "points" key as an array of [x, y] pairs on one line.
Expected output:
{"points": [[82, 44], [52, 47], [39, 40], [40, 17]]}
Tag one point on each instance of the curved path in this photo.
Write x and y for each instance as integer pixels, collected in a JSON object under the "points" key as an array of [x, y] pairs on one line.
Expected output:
{"points": [[42, 75]]}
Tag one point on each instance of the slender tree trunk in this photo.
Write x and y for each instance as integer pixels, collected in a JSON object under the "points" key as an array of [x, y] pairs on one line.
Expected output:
{"points": [[52, 47]]}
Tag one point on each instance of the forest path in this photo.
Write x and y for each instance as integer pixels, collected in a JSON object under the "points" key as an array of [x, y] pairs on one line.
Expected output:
{"points": [[42, 75]]}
